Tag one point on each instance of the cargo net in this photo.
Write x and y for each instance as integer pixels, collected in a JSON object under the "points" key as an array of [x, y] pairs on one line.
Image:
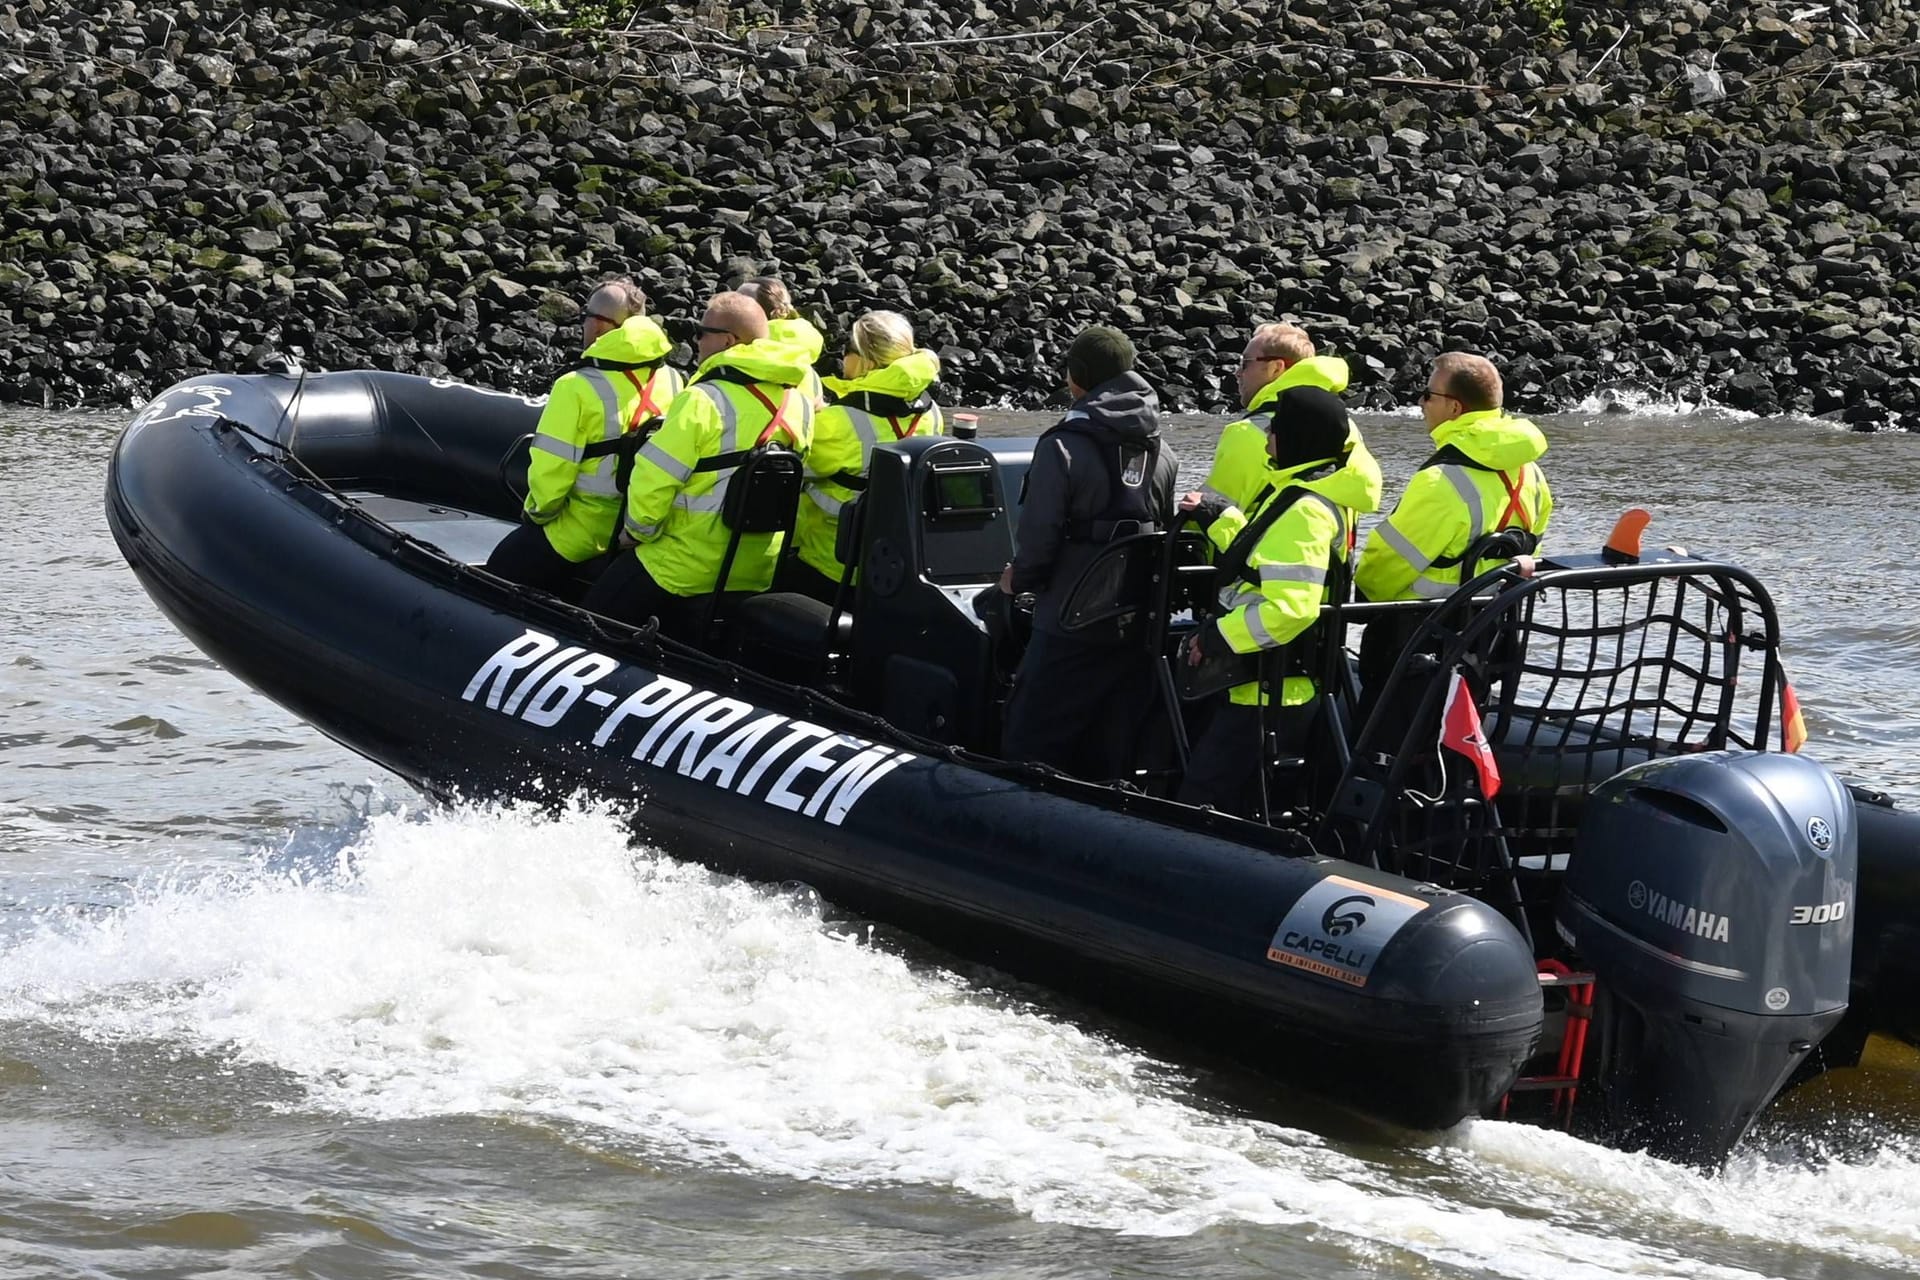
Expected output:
{"points": [[1575, 676]]}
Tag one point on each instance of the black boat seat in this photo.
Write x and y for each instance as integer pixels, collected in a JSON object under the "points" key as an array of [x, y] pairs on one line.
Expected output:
{"points": [[1558, 757], [784, 634]]}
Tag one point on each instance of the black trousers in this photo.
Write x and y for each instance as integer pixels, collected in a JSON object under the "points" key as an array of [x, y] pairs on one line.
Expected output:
{"points": [[626, 592], [798, 576], [1224, 767], [1079, 706], [1381, 644], [525, 556]]}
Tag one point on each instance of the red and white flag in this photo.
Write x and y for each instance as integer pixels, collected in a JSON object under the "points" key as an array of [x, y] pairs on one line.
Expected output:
{"points": [[1460, 731]]}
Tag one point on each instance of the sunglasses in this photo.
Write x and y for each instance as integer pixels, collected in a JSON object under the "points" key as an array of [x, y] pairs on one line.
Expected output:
{"points": [[602, 318], [716, 331], [1430, 394]]}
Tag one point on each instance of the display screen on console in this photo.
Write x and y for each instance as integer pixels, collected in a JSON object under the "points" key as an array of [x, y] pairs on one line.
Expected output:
{"points": [[963, 491]]}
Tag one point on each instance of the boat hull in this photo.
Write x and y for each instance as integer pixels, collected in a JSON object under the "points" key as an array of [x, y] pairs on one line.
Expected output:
{"points": [[1411, 1004]]}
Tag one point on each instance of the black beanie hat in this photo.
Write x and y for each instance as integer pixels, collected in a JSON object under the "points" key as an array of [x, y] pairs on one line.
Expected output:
{"points": [[1098, 356], [1310, 425]]}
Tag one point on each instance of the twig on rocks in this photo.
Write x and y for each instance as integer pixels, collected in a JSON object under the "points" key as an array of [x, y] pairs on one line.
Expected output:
{"points": [[1239, 59], [508, 6], [1421, 82], [1011, 35], [1595, 68], [1402, 53], [674, 33], [1078, 58], [1085, 26]]}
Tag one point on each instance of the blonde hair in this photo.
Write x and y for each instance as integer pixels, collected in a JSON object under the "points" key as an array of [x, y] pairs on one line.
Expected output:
{"points": [[881, 337], [772, 297], [1283, 342]]}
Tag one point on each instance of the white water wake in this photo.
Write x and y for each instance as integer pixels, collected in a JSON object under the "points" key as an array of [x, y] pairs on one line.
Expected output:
{"points": [[1641, 403], [496, 961]]}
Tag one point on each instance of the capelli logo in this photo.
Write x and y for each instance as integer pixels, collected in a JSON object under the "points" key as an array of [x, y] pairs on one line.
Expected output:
{"points": [[1344, 916]]}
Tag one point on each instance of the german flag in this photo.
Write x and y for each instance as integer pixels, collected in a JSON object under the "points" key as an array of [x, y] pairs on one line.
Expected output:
{"points": [[1793, 725]]}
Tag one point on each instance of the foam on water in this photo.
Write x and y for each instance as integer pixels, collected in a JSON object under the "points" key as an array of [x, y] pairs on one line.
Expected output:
{"points": [[1623, 401], [490, 960], [1641, 403], [1862, 1205]]}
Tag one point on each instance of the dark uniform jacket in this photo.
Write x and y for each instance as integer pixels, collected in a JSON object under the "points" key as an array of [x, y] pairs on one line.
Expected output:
{"points": [[1102, 467]]}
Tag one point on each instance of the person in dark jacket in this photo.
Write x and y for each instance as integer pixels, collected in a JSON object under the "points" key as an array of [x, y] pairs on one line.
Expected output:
{"points": [[1101, 474]]}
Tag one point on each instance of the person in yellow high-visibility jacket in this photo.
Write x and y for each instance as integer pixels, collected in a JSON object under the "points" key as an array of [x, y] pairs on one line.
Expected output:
{"points": [[746, 392], [594, 414], [1278, 561], [786, 324], [884, 396], [1278, 356], [1484, 477]]}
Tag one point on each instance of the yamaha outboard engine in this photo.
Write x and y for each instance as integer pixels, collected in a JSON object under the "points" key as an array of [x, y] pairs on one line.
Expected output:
{"points": [[1712, 897]]}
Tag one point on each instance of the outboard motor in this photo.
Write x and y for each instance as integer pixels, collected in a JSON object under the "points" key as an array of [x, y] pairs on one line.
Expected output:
{"points": [[1712, 897]]}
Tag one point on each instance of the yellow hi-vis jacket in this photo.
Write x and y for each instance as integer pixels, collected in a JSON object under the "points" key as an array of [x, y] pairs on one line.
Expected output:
{"points": [[1291, 560], [802, 336], [572, 496], [1448, 504], [884, 405], [1241, 468], [746, 395]]}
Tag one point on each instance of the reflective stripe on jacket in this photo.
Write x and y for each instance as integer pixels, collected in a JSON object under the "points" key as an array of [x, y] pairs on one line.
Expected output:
{"points": [[573, 496], [1241, 467], [1292, 562], [1413, 553], [674, 508], [844, 437]]}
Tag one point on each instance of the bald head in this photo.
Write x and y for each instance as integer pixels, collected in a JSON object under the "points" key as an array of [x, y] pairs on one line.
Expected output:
{"points": [[729, 320], [1470, 379], [618, 300], [609, 306], [738, 314]]}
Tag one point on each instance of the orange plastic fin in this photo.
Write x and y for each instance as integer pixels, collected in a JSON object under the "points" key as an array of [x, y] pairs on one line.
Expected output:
{"points": [[1623, 544], [1793, 724]]}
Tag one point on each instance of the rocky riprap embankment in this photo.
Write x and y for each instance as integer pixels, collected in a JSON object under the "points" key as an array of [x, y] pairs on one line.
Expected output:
{"points": [[1692, 197]]}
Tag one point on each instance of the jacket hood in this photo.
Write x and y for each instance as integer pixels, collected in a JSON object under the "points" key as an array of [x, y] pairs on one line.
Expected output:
{"points": [[905, 379], [640, 340], [1493, 439], [795, 332], [1329, 373], [1123, 409], [764, 360], [1355, 483]]}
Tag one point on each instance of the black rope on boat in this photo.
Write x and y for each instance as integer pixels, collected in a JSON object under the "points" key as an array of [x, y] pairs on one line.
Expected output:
{"points": [[646, 639]]}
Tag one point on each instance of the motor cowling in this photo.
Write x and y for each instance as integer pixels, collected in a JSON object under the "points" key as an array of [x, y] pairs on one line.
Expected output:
{"points": [[1712, 897]]}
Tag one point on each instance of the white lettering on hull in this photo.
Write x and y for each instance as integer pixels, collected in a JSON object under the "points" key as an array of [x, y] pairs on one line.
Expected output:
{"points": [[780, 761]]}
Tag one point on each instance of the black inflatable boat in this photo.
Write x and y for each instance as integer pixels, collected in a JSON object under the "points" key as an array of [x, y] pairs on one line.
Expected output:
{"points": [[1652, 928]]}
